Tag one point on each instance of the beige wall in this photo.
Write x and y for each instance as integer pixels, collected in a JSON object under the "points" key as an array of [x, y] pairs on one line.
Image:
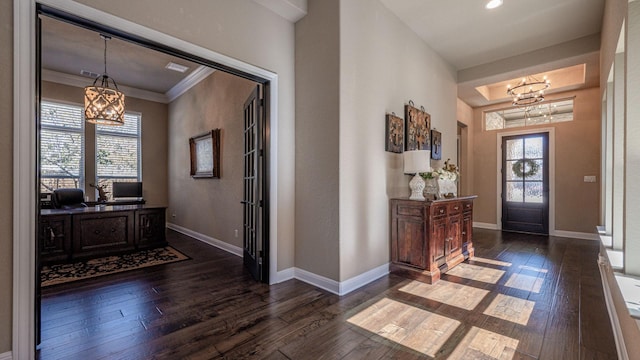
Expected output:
{"points": [[577, 153], [6, 172], [383, 65], [153, 140], [244, 30], [209, 206], [317, 138], [464, 114]]}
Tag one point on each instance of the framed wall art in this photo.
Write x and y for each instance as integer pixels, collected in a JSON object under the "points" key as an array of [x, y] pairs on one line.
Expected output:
{"points": [[417, 128], [205, 155], [394, 133], [436, 145]]}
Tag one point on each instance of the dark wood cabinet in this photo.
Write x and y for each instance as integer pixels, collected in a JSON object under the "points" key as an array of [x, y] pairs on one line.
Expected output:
{"points": [[99, 234], [54, 234], [151, 228], [84, 233], [467, 227], [430, 237]]}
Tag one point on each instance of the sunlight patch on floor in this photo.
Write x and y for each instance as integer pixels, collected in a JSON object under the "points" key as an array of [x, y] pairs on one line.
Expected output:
{"points": [[458, 295], [484, 344], [409, 326], [477, 273], [490, 261], [531, 268], [510, 308], [525, 282]]}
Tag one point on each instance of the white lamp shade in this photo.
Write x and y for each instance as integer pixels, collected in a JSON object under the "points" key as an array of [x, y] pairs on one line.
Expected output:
{"points": [[416, 161]]}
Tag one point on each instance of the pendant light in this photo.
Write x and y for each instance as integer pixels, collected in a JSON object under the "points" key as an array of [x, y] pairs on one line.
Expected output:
{"points": [[104, 105]]}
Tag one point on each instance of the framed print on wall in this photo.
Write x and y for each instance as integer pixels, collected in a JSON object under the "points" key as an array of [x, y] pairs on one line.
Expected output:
{"points": [[205, 155], [436, 145], [394, 133], [417, 135]]}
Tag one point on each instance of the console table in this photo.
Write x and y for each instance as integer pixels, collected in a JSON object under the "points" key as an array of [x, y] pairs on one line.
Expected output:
{"points": [[73, 234], [430, 237]]}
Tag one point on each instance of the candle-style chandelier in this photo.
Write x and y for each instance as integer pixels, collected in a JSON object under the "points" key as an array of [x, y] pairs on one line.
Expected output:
{"points": [[529, 91]]}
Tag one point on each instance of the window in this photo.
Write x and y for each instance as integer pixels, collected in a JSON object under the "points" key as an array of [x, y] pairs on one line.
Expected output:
{"points": [[543, 113], [118, 152], [61, 146]]}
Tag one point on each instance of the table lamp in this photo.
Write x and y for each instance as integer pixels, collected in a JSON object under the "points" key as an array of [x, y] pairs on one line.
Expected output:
{"points": [[416, 162]]}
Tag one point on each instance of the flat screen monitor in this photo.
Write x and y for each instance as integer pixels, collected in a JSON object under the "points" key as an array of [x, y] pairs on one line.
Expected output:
{"points": [[127, 190]]}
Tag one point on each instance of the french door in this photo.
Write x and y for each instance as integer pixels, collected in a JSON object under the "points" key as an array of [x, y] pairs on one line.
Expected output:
{"points": [[253, 203], [525, 183]]}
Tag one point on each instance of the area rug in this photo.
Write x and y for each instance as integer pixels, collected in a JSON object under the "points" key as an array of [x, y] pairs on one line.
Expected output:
{"points": [[63, 273]]}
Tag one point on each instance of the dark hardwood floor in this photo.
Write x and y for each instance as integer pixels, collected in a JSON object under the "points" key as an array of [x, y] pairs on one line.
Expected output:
{"points": [[522, 297]]}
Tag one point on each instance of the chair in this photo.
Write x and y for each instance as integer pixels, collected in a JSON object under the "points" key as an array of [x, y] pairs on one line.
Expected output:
{"points": [[68, 199]]}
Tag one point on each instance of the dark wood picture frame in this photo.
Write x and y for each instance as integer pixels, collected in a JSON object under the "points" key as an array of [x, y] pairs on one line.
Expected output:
{"points": [[394, 133], [205, 155], [436, 145], [417, 136]]}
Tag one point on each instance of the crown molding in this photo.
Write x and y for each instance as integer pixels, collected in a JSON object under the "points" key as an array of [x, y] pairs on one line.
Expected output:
{"points": [[292, 10], [81, 81], [188, 82]]}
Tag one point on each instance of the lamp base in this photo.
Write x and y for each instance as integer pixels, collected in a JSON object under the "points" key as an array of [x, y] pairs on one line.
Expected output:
{"points": [[417, 187]]}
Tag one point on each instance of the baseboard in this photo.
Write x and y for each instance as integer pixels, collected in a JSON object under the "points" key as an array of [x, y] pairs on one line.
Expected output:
{"points": [[235, 250], [575, 235], [6, 356], [286, 274], [332, 286], [322, 282], [562, 233], [363, 279], [335, 287], [603, 265], [487, 226]]}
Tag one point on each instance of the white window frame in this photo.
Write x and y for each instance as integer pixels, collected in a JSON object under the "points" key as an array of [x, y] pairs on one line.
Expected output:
{"points": [[81, 131], [137, 136]]}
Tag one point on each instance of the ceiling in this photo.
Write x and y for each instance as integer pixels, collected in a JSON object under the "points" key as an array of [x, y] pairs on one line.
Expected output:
{"points": [[68, 49], [519, 38], [487, 47], [466, 34]]}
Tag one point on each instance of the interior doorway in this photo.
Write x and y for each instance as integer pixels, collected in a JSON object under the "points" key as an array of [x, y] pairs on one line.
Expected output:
{"points": [[262, 140]]}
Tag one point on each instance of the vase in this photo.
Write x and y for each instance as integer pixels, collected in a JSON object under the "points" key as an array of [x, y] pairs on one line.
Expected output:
{"points": [[431, 189], [447, 188]]}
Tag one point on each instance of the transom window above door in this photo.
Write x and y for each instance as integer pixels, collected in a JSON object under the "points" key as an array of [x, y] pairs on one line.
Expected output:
{"points": [[543, 113]]}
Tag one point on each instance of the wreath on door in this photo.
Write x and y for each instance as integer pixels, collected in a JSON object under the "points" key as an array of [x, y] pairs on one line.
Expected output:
{"points": [[519, 167]]}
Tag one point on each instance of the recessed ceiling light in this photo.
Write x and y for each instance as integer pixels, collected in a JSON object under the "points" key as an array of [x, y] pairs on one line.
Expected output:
{"points": [[492, 4], [176, 67]]}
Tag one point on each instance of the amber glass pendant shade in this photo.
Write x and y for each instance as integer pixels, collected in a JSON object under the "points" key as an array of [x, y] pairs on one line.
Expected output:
{"points": [[103, 104]]}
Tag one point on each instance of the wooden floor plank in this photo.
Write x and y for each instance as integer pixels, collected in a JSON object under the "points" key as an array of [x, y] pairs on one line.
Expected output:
{"points": [[523, 297]]}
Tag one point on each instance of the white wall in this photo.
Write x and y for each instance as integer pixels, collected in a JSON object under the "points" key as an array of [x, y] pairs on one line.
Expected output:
{"points": [[383, 65]]}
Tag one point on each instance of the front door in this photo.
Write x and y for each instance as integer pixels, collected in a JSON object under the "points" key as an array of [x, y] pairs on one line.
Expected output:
{"points": [[525, 183], [253, 215]]}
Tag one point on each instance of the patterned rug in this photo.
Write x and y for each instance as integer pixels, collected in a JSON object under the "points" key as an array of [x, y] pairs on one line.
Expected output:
{"points": [[63, 273]]}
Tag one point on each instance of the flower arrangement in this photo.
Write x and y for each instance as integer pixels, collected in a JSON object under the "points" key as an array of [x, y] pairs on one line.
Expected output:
{"points": [[431, 174], [447, 172]]}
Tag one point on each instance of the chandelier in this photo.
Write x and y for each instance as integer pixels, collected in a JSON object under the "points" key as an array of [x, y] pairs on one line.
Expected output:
{"points": [[104, 105], [530, 91]]}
